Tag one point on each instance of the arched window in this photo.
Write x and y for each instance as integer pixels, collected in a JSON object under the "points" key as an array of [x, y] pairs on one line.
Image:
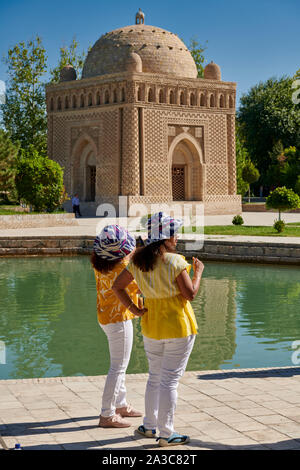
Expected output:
{"points": [[221, 101], [150, 95], [123, 95], [212, 101], [231, 102], [59, 103], [115, 96], [192, 99], [139, 94], [106, 97], [98, 98], [182, 97], [171, 97], [74, 102], [202, 100], [51, 105], [66, 102], [81, 101], [161, 96], [90, 100]]}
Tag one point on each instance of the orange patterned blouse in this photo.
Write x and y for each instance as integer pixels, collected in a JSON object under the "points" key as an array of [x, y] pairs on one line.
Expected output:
{"points": [[109, 308]]}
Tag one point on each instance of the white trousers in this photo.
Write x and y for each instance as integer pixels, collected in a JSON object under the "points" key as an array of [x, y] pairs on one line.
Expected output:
{"points": [[120, 338], [167, 359]]}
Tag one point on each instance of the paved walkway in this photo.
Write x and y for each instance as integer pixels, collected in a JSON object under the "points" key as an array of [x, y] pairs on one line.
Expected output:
{"points": [[90, 226], [238, 409]]}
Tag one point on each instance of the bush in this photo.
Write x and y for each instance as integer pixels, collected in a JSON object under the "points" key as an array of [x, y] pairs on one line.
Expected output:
{"points": [[39, 181], [279, 225], [237, 220]]}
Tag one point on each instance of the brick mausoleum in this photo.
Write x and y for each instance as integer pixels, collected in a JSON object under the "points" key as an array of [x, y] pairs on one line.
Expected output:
{"points": [[139, 123]]}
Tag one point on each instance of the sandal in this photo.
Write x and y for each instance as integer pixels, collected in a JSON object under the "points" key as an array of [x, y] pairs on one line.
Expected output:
{"points": [[174, 440], [146, 432]]}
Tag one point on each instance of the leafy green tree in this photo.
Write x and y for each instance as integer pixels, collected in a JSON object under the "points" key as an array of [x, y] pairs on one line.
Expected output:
{"points": [[282, 199], [266, 115], [8, 156], [69, 55], [196, 51], [285, 166], [39, 181], [241, 159], [24, 112], [250, 174]]}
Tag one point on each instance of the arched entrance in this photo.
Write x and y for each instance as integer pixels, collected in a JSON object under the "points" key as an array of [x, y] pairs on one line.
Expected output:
{"points": [[185, 159], [84, 169]]}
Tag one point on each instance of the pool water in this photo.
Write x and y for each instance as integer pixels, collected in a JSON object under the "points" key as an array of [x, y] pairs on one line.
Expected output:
{"points": [[248, 317]]}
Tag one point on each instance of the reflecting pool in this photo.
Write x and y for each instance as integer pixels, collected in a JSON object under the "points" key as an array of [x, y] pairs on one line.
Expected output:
{"points": [[248, 317]]}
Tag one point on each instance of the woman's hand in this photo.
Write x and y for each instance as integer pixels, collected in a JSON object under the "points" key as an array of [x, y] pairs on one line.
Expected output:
{"points": [[198, 266], [139, 312]]}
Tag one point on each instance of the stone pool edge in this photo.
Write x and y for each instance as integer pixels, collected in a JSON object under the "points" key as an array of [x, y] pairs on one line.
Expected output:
{"points": [[213, 250]]}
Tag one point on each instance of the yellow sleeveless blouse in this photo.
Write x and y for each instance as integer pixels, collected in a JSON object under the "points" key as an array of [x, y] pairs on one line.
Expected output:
{"points": [[169, 314]]}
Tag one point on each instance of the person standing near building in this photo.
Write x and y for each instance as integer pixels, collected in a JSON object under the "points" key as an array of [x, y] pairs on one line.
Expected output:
{"points": [[168, 325], [111, 252], [76, 205]]}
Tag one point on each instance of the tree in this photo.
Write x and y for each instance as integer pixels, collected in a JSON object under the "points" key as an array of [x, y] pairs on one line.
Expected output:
{"points": [[8, 155], [267, 115], [241, 159], [24, 113], [196, 51], [68, 56], [282, 199], [285, 166], [250, 174], [39, 181]]}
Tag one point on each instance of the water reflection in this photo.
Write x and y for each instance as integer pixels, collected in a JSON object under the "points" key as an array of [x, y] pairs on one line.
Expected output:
{"points": [[49, 325]]}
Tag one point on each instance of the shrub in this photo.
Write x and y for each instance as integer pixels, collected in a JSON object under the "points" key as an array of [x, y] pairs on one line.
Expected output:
{"points": [[279, 225], [39, 181], [237, 220]]}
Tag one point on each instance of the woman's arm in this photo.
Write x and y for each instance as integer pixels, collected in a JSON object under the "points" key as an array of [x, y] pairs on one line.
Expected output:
{"points": [[119, 286], [187, 286]]}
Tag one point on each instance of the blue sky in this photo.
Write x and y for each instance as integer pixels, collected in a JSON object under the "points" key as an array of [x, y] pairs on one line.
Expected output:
{"points": [[250, 40]]}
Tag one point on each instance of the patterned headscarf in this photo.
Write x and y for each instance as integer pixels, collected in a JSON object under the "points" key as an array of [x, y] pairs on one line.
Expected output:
{"points": [[114, 242], [162, 227]]}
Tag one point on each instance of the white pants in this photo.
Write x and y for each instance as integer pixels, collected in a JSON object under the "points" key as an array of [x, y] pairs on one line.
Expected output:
{"points": [[167, 359], [120, 337]]}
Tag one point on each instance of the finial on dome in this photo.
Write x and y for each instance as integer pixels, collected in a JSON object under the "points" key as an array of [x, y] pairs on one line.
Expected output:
{"points": [[140, 17]]}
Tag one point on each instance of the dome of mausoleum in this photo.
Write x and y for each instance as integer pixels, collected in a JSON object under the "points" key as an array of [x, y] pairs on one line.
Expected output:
{"points": [[67, 73], [139, 48], [212, 71]]}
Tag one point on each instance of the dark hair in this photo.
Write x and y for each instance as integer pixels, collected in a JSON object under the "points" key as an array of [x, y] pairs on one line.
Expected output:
{"points": [[145, 258], [103, 265]]}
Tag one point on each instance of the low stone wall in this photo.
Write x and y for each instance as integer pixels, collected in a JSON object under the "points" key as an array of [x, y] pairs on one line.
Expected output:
{"points": [[262, 208], [249, 252], [213, 250], [36, 220]]}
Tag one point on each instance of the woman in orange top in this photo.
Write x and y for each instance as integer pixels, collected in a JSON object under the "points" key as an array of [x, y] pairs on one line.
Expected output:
{"points": [[112, 250]]}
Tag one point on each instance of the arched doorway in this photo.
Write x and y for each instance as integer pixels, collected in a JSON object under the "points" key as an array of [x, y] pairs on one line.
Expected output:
{"points": [[186, 167], [84, 169]]}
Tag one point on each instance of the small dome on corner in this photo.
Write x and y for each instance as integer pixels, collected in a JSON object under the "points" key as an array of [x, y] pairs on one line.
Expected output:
{"points": [[212, 71], [134, 63], [68, 73]]}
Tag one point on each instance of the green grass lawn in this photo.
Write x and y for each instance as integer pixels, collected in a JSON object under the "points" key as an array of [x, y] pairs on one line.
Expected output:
{"points": [[289, 231], [11, 210]]}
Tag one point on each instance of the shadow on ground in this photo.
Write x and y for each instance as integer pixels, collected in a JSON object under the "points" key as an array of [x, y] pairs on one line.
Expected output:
{"points": [[280, 372]]}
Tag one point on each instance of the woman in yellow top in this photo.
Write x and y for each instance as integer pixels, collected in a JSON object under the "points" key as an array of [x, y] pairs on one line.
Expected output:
{"points": [[168, 325], [112, 249]]}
